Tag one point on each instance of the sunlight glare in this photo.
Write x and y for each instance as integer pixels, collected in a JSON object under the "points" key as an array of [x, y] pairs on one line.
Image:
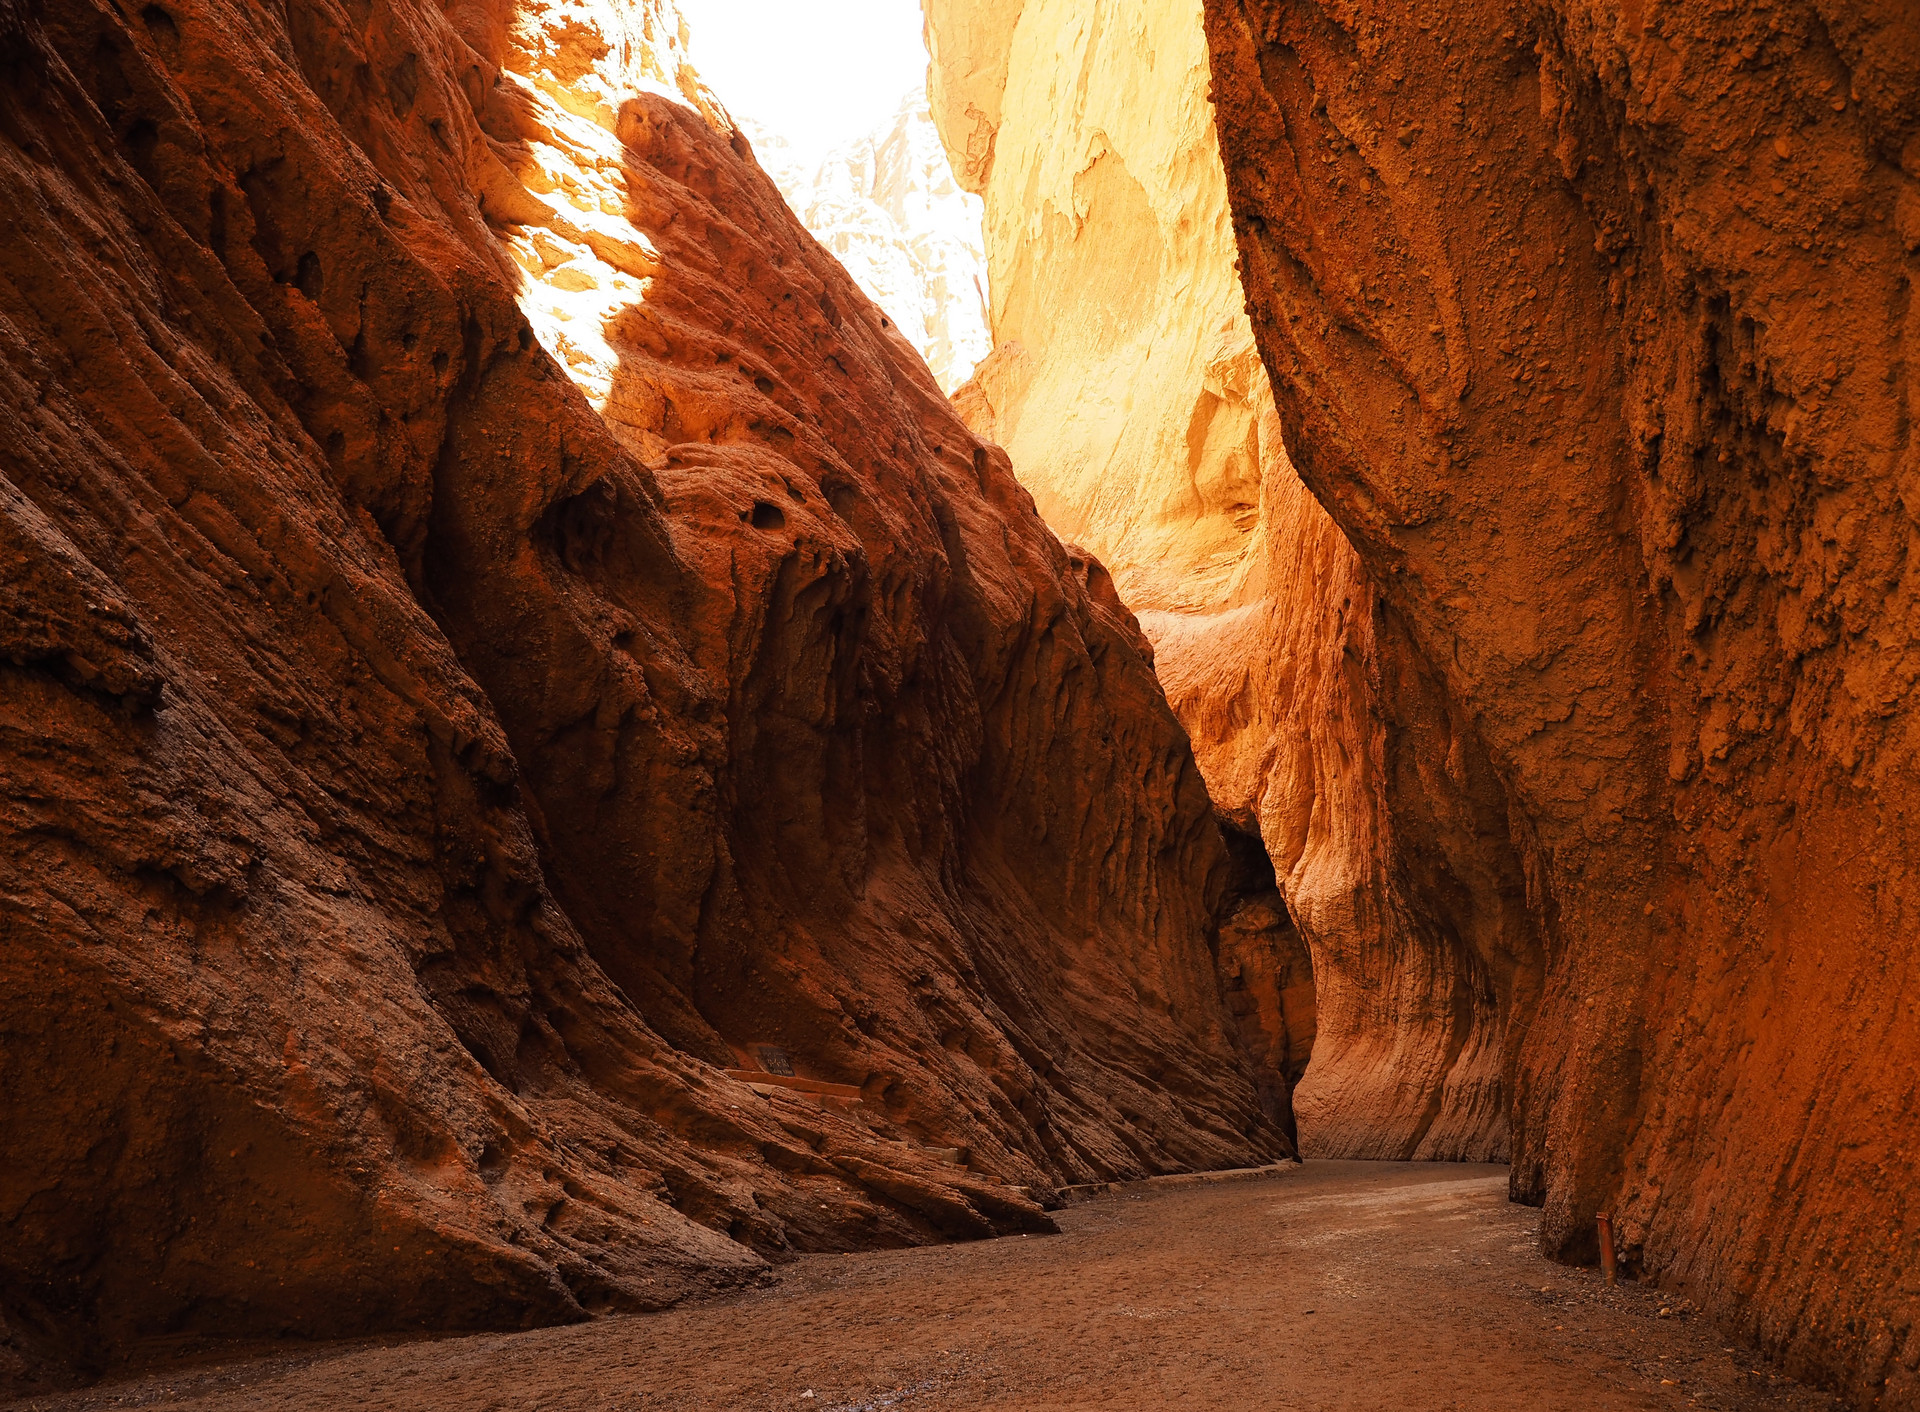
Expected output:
{"points": [[817, 72]]}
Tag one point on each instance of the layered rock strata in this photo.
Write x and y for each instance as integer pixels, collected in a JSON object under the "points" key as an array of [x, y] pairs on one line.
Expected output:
{"points": [[427, 775], [1590, 325], [1126, 386]]}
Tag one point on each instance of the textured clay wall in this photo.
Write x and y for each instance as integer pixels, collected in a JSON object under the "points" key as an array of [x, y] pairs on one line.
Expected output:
{"points": [[1591, 326], [1126, 386], [424, 774]]}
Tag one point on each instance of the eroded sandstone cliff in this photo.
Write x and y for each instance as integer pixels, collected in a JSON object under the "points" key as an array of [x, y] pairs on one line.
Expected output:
{"points": [[427, 774], [1591, 326], [1126, 386]]}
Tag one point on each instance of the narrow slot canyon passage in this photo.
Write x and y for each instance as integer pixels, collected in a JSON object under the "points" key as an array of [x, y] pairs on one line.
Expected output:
{"points": [[1371, 1286], [850, 704]]}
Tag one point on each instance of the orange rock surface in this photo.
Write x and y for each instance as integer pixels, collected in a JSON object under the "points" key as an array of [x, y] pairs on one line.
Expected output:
{"points": [[426, 773], [1590, 325], [1128, 391]]}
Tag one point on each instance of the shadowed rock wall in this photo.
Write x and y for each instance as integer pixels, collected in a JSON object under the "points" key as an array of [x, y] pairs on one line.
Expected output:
{"points": [[1126, 386], [417, 786], [1591, 327]]}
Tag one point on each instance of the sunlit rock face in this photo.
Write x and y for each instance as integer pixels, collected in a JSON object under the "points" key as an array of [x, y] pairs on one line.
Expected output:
{"points": [[498, 631], [888, 208], [1128, 390], [1592, 326], [562, 211], [1086, 129]]}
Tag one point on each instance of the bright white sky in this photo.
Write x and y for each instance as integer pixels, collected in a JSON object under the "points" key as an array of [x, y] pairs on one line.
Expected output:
{"points": [[816, 72]]}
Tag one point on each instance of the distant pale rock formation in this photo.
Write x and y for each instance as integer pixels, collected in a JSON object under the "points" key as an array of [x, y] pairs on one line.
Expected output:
{"points": [[889, 209], [1126, 386]]}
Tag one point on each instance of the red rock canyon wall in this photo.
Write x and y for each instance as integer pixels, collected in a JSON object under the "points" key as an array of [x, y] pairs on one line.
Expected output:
{"points": [[498, 631], [1590, 325]]}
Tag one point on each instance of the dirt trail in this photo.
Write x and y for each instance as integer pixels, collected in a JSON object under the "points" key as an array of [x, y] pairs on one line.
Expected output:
{"points": [[1343, 1285]]}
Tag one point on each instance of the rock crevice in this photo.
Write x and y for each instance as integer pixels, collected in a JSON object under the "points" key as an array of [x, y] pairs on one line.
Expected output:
{"points": [[1128, 390]]}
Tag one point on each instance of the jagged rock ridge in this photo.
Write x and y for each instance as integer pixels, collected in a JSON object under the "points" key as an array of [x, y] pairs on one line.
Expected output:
{"points": [[425, 777]]}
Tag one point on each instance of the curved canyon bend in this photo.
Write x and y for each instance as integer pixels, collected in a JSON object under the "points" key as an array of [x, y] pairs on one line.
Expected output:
{"points": [[1184, 730]]}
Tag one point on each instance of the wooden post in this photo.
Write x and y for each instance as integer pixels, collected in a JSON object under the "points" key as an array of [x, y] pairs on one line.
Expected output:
{"points": [[1608, 1266]]}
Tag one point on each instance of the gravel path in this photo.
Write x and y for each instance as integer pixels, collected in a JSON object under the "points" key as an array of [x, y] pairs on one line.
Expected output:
{"points": [[1340, 1285]]}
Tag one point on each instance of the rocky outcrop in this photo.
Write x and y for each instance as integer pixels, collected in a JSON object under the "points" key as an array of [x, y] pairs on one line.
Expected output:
{"points": [[1128, 391], [428, 777], [888, 208], [1589, 326]]}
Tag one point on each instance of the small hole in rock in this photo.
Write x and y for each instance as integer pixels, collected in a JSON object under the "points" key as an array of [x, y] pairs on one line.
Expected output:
{"points": [[440, 362], [765, 384], [767, 515], [307, 278]]}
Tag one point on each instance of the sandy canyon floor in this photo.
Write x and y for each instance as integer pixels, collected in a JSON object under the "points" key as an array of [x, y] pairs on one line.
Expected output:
{"points": [[1338, 1285]]}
